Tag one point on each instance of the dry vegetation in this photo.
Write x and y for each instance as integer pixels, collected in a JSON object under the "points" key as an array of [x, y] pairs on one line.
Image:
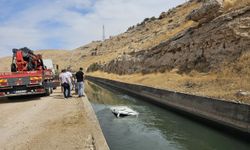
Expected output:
{"points": [[209, 84], [234, 4]]}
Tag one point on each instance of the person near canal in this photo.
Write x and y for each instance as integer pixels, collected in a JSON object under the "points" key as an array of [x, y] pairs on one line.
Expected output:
{"points": [[65, 81], [71, 81], [60, 80], [80, 82]]}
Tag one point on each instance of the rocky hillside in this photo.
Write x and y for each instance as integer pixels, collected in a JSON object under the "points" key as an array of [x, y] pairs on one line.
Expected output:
{"points": [[143, 36], [209, 56], [218, 38]]}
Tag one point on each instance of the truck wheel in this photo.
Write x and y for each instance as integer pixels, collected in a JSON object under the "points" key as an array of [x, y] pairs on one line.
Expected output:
{"points": [[13, 67]]}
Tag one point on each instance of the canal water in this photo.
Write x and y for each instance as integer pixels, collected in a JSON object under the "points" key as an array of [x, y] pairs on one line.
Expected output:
{"points": [[155, 128]]}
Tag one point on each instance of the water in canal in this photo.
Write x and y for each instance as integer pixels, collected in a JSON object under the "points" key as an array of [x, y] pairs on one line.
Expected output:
{"points": [[155, 128]]}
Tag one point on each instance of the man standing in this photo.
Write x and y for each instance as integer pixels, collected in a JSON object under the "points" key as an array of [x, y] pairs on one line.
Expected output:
{"points": [[71, 81], [80, 79], [65, 80]]}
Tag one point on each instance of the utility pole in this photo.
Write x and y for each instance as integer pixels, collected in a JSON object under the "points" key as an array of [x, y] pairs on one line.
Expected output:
{"points": [[103, 32]]}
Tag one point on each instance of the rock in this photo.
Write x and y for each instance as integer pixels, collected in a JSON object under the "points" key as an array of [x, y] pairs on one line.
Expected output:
{"points": [[123, 64], [162, 15], [208, 11], [241, 93], [94, 67], [190, 84]]}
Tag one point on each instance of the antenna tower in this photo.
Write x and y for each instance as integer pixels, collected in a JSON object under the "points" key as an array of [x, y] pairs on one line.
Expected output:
{"points": [[103, 32]]}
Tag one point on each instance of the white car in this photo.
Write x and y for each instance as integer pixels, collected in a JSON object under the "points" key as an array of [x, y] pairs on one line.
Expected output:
{"points": [[121, 111]]}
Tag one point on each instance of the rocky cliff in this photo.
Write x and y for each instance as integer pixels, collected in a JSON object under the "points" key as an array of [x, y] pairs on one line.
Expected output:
{"points": [[217, 39]]}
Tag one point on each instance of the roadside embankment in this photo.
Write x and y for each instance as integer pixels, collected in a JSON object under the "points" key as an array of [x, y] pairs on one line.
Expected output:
{"points": [[49, 123], [229, 115]]}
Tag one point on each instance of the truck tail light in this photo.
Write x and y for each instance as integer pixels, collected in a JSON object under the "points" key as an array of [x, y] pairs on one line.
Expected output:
{"points": [[3, 82], [35, 79]]}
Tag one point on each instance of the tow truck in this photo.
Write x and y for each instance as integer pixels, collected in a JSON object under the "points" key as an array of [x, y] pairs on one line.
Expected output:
{"points": [[28, 76]]}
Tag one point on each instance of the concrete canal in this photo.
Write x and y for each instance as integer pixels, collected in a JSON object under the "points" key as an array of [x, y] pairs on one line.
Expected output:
{"points": [[155, 128]]}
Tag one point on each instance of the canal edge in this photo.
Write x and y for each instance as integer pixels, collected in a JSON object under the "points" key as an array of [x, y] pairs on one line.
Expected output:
{"points": [[100, 142], [230, 117]]}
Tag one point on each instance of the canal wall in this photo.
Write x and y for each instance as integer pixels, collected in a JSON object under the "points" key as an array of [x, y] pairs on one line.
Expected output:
{"points": [[97, 138], [230, 116]]}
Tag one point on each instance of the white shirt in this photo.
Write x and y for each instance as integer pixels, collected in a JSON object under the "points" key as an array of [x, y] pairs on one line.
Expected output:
{"points": [[69, 74], [64, 77]]}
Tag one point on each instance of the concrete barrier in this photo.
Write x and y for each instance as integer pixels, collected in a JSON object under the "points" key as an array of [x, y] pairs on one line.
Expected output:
{"points": [[228, 115], [99, 142]]}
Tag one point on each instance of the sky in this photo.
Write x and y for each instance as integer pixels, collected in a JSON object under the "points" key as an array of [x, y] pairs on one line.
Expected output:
{"points": [[68, 24]]}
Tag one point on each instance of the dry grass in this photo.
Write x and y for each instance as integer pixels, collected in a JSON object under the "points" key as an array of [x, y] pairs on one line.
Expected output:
{"points": [[175, 31], [235, 4], [182, 25], [225, 84], [210, 85]]}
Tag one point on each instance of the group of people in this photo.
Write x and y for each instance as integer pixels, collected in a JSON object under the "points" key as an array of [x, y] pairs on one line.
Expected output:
{"points": [[68, 82]]}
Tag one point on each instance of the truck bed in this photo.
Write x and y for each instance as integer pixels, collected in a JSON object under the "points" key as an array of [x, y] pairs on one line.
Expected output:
{"points": [[24, 83], [22, 74]]}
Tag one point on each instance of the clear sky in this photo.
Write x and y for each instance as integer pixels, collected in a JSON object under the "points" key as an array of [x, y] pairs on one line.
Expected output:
{"points": [[67, 24]]}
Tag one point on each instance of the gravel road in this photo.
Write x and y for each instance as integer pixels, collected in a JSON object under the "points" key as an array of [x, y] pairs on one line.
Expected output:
{"points": [[45, 123]]}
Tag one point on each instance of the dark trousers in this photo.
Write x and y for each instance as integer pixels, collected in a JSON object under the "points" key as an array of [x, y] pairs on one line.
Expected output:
{"points": [[66, 91]]}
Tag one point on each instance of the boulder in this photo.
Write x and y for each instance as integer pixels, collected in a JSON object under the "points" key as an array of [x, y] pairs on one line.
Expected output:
{"points": [[207, 12], [241, 93]]}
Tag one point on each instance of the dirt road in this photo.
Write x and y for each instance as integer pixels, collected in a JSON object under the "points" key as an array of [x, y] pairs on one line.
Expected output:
{"points": [[49, 123]]}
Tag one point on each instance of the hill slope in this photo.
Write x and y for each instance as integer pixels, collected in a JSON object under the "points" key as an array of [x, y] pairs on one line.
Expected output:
{"points": [[209, 57], [145, 35], [200, 47]]}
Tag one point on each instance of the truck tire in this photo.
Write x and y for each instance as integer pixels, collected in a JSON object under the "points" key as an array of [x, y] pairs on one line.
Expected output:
{"points": [[13, 67]]}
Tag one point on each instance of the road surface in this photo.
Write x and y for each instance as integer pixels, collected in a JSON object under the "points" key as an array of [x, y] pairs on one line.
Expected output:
{"points": [[45, 123]]}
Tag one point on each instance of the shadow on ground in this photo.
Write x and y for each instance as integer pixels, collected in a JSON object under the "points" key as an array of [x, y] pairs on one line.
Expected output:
{"points": [[17, 99], [58, 96]]}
